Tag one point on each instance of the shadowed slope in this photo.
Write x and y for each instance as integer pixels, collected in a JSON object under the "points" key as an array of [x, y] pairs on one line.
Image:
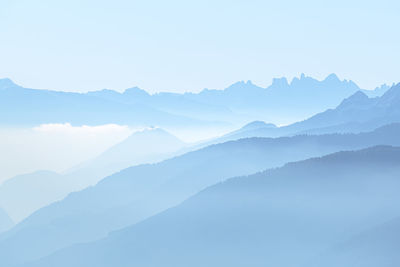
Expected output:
{"points": [[139, 192], [281, 217]]}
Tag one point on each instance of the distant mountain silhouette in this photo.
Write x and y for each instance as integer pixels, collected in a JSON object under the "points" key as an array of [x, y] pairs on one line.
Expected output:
{"points": [[299, 99], [281, 101], [241, 102], [378, 91], [22, 195], [171, 103], [360, 110], [30, 107], [355, 114], [138, 192], [280, 217], [5, 221]]}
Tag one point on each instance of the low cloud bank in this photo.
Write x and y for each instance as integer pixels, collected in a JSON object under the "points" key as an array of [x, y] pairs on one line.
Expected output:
{"points": [[54, 147]]}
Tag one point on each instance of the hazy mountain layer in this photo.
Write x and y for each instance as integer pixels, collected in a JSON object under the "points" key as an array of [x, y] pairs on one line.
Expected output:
{"points": [[139, 192], [282, 102], [355, 114], [359, 110], [22, 195], [30, 107], [282, 217]]}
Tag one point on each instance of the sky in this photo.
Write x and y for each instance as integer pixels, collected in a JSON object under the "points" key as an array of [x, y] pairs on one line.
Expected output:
{"points": [[82, 45]]}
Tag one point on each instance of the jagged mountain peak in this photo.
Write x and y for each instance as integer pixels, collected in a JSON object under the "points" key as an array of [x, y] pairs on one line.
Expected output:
{"points": [[279, 82]]}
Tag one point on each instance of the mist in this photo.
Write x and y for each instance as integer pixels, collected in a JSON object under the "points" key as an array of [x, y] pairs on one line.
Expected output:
{"points": [[55, 147]]}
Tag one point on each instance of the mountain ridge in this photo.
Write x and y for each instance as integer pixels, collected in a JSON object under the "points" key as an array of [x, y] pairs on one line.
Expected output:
{"points": [[236, 104], [138, 192], [253, 219]]}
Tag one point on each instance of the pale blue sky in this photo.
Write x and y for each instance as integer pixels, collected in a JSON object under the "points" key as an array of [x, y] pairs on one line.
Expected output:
{"points": [[79, 45]]}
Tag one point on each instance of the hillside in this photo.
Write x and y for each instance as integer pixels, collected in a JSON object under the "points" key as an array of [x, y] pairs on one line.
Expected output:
{"points": [[139, 192], [281, 217]]}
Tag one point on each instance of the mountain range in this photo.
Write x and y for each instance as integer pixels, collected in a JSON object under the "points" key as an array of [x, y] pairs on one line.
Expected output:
{"points": [[360, 111], [31, 107], [281, 102], [137, 193], [281, 217], [153, 200], [355, 114]]}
